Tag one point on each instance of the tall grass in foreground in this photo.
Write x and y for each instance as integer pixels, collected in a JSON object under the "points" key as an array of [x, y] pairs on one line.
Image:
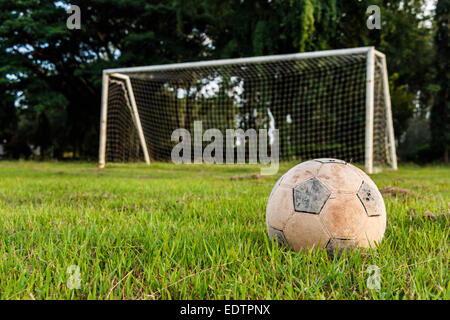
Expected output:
{"points": [[198, 232]]}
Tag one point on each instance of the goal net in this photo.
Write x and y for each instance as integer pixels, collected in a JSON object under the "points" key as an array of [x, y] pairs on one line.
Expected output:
{"points": [[324, 104]]}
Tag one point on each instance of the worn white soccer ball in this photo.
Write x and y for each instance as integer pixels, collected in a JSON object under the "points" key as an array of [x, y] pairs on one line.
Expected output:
{"points": [[326, 203]]}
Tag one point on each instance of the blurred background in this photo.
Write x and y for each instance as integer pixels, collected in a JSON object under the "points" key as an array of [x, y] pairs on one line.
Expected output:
{"points": [[50, 75]]}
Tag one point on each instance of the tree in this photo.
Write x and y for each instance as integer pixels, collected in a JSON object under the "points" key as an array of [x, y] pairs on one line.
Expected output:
{"points": [[54, 73], [406, 39], [440, 127], [50, 72]]}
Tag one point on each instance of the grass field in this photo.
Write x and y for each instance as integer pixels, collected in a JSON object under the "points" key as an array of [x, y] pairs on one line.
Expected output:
{"points": [[198, 232]]}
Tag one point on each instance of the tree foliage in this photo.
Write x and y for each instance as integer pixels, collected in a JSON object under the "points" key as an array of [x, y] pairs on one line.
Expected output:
{"points": [[50, 76], [440, 127]]}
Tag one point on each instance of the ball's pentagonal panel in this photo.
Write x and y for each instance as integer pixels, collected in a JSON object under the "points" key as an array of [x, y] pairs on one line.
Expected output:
{"points": [[371, 199], [339, 177], [373, 231], [279, 209], [301, 172], [310, 196], [344, 216], [339, 245], [277, 235], [305, 230], [330, 160]]}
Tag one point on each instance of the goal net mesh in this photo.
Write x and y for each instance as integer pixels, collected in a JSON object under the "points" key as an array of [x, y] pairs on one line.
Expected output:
{"points": [[317, 104]]}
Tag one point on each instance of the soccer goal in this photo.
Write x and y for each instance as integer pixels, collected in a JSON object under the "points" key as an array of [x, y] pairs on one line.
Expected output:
{"points": [[332, 103]]}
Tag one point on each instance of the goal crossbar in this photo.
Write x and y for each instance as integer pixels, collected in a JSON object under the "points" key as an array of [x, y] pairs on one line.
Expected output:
{"points": [[260, 59]]}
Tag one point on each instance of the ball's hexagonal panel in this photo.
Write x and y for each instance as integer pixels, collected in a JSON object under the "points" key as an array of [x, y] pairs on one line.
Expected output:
{"points": [[344, 216], [305, 230], [310, 196], [278, 235], [363, 176], [330, 160], [339, 245], [275, 186], [371, 199], [339, 177], [280, 207], [301, 172], [373, 231]]}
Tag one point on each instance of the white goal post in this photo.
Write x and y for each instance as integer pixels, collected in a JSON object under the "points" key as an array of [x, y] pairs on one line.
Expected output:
{"points": [[332, 103]]}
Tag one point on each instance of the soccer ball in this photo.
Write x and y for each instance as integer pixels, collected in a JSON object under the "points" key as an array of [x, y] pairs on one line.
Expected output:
{"points": [[326, 203]]}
